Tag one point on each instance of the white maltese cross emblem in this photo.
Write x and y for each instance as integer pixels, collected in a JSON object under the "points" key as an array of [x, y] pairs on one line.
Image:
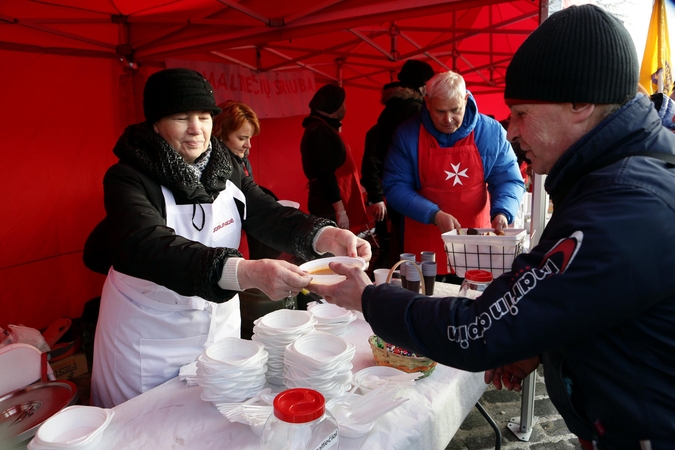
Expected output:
{"points": [[456, 174]]}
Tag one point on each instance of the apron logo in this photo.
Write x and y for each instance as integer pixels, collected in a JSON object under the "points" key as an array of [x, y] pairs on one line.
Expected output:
{"points": [[456, 174], [557, 260], [223, 225]]}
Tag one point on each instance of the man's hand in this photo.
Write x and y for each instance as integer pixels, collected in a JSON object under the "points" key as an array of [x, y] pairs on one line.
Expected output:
{"points": [[274, 277], [379, 211], [343, 243], [445, 222], [500, 222], [346, 293], [511, 376]]}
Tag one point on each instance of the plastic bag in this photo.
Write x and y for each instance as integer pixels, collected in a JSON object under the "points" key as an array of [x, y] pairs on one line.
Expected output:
{"points": [[24, 335]]}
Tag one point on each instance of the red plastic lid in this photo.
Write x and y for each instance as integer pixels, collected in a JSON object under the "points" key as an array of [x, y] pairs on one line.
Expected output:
{"points": [[299, 405], [478, 275]]}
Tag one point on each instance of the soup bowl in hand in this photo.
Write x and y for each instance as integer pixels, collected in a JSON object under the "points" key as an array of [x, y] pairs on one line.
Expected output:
{"points": [[321, 272]]}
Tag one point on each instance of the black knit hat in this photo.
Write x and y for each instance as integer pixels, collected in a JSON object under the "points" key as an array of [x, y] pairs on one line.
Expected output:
{"points": [[172, 91], [328, 98], [580, 54], [415, 73]]}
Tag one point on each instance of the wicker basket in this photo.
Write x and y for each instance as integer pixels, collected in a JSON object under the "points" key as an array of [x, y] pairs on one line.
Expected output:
{"points": [[384, 357]]}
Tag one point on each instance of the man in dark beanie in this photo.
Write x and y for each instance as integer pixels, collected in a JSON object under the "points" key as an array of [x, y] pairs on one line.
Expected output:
{"points": [[594, 299], [334, 192], [450, 167], [401, 99], [176, 204]]}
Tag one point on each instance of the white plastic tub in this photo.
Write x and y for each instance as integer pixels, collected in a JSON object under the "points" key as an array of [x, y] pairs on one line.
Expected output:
{"points": [[75, 427]]}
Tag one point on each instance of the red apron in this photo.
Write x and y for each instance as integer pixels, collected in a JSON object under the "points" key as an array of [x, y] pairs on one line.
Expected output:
{"points": [[350, 192], [453, 178]]}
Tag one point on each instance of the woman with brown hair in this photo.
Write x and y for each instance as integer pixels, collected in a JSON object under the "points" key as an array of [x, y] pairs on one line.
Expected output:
{"points": [[235, 126]]}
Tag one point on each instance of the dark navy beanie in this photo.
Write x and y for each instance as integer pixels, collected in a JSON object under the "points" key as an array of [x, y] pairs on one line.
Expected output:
{"points": [[172, 91], [579, 54]]}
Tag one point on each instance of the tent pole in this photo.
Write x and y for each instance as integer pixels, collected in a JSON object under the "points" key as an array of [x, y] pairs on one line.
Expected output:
{"points": [[522, 427]]}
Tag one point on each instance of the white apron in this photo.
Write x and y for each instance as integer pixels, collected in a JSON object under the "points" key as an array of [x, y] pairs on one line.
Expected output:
{"points": [[145, 331]]}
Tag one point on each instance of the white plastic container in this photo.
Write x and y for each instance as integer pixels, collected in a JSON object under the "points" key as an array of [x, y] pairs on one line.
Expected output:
{"points": [[75, 427], [300, 421], [474, 283]]}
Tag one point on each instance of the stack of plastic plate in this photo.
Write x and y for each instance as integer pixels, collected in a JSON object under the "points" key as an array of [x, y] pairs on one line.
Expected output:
{"points": [[231, 370], [319, 361], [275, 331], [331, 318]]}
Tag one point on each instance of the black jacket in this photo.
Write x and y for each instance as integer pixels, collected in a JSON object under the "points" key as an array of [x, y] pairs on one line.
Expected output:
{"points": [[323, 152], [134, 238], [595, 297], [400, 103]]}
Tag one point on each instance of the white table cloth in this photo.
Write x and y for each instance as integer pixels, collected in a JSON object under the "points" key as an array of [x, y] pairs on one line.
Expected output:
{"points": [[173, 416]]}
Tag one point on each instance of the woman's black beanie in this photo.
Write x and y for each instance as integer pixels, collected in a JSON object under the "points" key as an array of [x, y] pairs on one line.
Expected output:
{"points": [[172, 91], [579, 54]]}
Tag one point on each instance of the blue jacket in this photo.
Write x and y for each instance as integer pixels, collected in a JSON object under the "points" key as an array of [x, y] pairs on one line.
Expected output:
{"points": [[401, 179], [595, 298]]}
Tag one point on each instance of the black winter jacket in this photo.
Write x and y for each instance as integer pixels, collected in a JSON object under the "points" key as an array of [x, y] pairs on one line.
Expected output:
{"points": [[134, 238], [400, 103], [323, 152], [595, 297]]}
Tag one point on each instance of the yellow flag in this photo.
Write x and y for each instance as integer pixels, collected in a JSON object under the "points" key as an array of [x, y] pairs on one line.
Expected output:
{"points": [[656, 74]]}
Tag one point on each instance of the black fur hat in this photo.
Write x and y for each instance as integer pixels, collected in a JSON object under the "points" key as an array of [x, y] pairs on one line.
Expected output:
{"points": [[415, 73], [328, 98], [172, 91]]}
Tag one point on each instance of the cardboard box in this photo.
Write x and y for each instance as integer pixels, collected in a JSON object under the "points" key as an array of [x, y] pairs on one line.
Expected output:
{"points": [[70, 366]]}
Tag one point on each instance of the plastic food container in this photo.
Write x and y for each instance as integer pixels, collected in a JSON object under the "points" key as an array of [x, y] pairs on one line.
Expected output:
{"points": [[475, 282], [75, 427], [300, 421]]}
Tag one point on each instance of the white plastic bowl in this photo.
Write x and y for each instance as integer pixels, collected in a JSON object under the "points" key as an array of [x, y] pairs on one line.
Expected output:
{"points": [[322, 263], [236, 352], [321, 347], [75, 427], [328, 312], [285, 321]]}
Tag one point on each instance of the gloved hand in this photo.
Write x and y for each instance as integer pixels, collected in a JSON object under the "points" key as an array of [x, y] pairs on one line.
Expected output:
{"points": [[342, 219]]}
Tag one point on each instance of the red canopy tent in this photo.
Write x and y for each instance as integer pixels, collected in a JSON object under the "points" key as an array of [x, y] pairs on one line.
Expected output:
{"points": [[73, 70]]}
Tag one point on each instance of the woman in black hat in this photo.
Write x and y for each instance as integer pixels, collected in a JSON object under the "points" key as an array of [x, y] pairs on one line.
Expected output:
{"points": [[175, 207]]}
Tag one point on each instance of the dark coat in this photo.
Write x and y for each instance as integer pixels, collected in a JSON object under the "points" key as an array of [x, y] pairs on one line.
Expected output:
{"points": [[400, 103], [135, 240], [595, 297], [323, 152]]}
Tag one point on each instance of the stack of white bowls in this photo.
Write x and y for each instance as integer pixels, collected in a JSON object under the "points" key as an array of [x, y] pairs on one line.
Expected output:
{"points": [[231, 370], [319, 361], [275, 331], [331, 318]]}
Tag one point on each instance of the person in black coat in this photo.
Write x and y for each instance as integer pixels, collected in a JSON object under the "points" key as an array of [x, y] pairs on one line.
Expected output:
{"points": [[401, 100]]}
